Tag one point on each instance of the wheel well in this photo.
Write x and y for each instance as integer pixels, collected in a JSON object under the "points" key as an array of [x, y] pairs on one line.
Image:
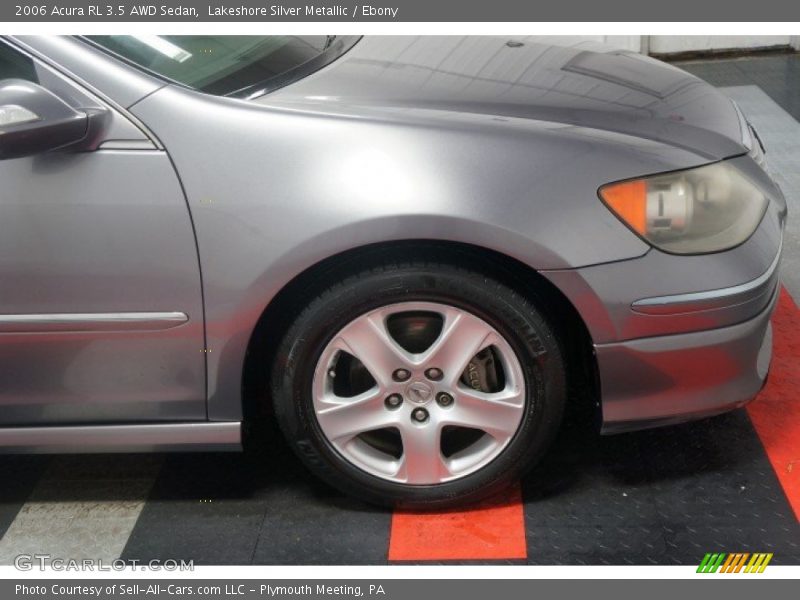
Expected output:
{"points": [[284, 307]]}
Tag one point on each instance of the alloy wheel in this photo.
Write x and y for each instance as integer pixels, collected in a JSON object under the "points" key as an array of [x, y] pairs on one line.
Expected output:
{"points": [[418, 393]]}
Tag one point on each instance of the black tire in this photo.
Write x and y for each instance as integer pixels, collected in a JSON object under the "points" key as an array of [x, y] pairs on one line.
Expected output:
{"points": [[515, 317]]}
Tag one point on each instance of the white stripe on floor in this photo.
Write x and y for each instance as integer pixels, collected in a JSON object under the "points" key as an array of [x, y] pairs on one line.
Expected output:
{"points": [[82, 507]]}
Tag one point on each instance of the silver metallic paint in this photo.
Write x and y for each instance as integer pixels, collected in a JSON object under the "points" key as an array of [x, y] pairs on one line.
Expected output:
{"points": [[712, 299], [98, 232], [457, 139], [91, 68], [604, 294], [713, 371]]}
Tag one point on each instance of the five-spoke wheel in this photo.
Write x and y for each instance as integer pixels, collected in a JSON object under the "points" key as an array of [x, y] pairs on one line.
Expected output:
{"points": [[419, 392], [419, 383]]}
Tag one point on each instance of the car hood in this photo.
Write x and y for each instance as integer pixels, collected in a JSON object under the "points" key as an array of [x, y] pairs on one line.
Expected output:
{"points": [[577, 83]]}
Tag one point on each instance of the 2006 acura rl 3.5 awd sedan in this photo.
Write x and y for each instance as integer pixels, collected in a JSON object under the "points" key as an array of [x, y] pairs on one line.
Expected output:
{"points": [[407, 249]]}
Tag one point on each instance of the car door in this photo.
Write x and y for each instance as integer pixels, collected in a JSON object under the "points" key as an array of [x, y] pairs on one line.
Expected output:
{"points": [[101, 317]]}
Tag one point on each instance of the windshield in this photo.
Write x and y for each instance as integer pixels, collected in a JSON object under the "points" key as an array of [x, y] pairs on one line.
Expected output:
{"points": [[226, 65]]}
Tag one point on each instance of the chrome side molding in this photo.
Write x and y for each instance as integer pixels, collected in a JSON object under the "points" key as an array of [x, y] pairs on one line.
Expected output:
{"points": [[155, 437], [711, 299], [121, 321]]}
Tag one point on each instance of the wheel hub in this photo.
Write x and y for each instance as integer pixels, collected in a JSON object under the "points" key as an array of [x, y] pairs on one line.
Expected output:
{"points": [[419, 392]]}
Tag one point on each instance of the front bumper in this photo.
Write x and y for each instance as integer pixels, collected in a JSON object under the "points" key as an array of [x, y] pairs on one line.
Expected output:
{"points": [[682, 337], [670, 379]]}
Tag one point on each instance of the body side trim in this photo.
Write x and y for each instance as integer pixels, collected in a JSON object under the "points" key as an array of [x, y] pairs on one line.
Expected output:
{"points": [[130, 321], [711, 299], [675, 378], [122, 438]]}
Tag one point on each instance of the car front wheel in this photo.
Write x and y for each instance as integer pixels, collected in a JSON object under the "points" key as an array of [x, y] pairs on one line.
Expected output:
{"points": [[419, 384]]}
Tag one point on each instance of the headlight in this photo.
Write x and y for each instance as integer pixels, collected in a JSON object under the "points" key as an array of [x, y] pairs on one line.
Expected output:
{"points": [[701, 210]]}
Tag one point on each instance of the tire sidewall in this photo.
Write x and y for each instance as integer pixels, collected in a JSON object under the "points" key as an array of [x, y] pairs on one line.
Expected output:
{"points": [[524, 328]]}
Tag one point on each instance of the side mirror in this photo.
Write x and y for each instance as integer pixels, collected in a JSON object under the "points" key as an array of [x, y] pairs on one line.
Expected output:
{"points": [[34, 120]]}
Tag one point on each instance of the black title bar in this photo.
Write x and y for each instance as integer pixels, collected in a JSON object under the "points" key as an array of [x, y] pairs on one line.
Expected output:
{"points": [[401, 11]]}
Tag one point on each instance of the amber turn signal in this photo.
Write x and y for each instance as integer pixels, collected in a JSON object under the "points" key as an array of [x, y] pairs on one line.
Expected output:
{"points": [[628, 200]]}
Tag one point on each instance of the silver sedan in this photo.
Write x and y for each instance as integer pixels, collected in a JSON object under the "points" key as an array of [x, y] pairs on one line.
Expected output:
{"points": [[409, 251]]}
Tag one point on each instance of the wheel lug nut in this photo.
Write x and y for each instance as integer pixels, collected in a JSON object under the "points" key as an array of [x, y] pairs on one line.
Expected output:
{"points": [[420, 415], [434, 374], [393, 400], [444, 399], [401, 375]]}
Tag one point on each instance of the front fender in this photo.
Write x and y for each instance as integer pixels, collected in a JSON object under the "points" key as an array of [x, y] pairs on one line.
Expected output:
{"points": [[273, 190]]}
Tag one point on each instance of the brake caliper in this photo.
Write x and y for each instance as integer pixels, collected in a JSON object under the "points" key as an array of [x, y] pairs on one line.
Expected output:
{"points": [[481, 372]]}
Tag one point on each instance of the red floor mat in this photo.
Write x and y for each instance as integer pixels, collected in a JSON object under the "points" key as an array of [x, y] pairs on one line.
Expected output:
{"points": [[776, 412], [492, 531]]}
